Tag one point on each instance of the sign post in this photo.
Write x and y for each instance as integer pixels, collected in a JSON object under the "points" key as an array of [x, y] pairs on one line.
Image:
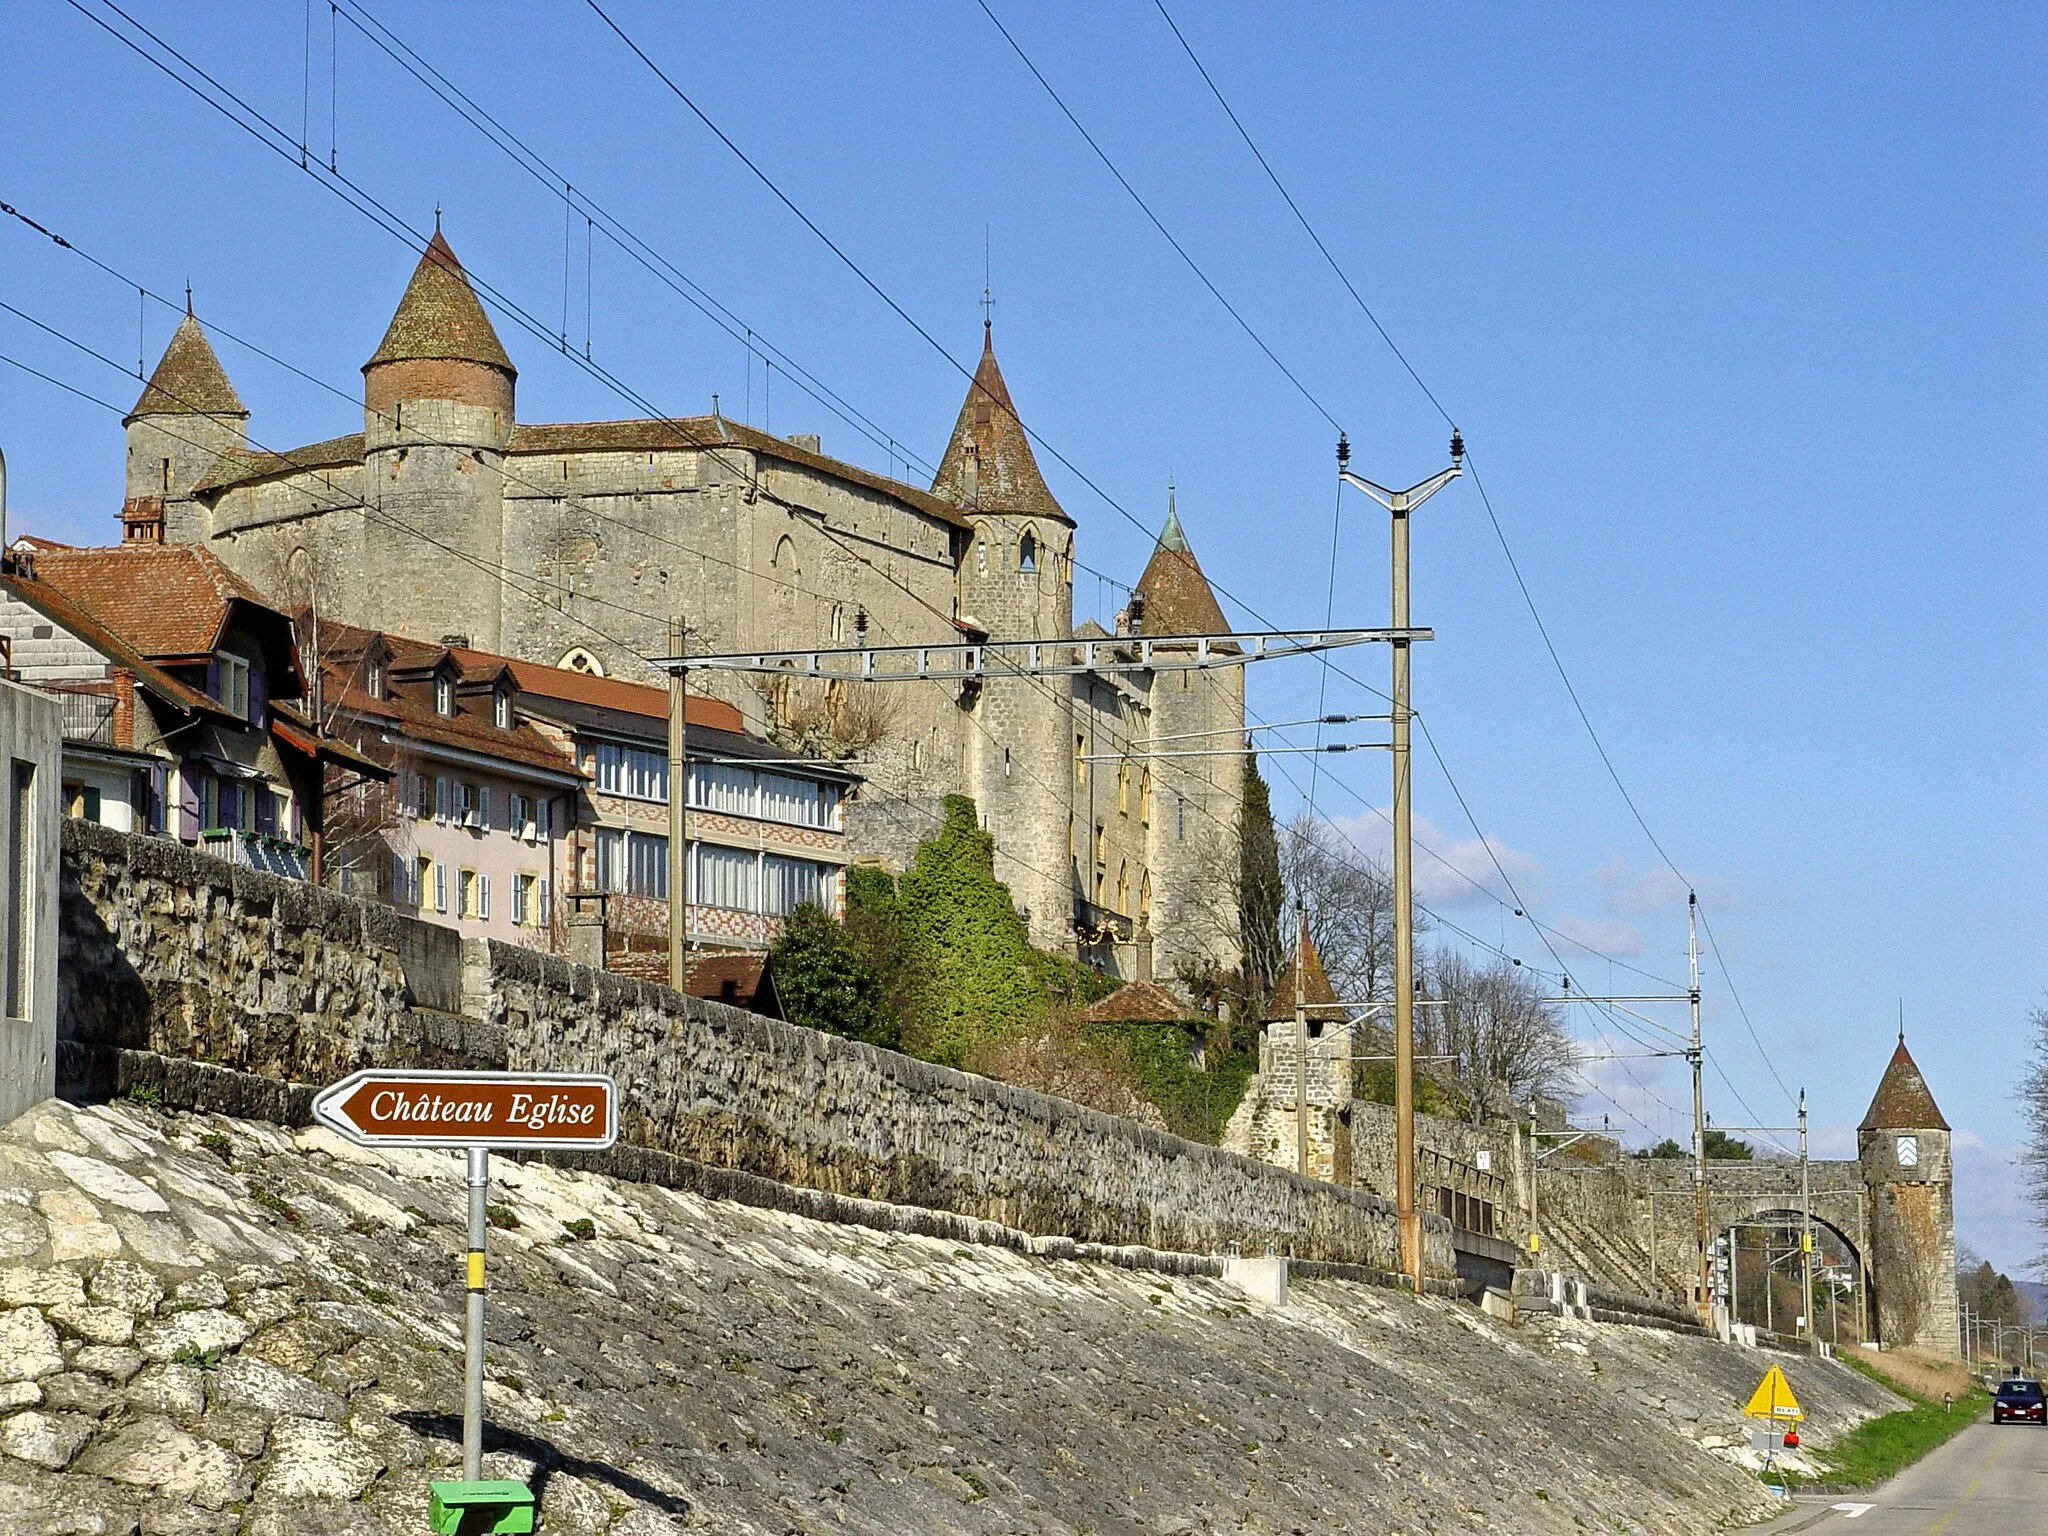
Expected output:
{"points": [[475, 1111]]}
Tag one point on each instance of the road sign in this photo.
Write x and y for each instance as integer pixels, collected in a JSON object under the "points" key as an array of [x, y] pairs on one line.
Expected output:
{"points": [[521, 1111], [1773, 1398]]}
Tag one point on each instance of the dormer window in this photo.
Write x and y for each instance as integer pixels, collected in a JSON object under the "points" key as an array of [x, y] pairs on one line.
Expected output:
{"points": [[234, 685], [1027, 553], [444, 694], [501, 710], [373, 679]]}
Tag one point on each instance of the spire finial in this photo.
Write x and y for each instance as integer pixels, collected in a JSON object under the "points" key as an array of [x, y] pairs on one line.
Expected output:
{"points": [[437, 218], [1902, 1021], [988, 302], [188, 298]]}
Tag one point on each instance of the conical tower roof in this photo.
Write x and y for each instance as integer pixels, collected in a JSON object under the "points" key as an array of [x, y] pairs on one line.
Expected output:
{"points": [[1178, 600], [1903, 1102], [989, 465], [1317, 994], [440, 318], [189, 380]]}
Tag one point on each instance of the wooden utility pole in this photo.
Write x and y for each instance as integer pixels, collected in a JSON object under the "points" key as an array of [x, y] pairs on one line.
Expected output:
{"points": [[1300, 1048], [678, 813], [1694, 1054]]}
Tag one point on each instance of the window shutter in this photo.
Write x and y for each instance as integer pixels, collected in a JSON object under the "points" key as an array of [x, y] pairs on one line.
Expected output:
{"points": [[440, 798], [483, 806], [483, 895], [440, 886], [541, 814], [541, 916]]}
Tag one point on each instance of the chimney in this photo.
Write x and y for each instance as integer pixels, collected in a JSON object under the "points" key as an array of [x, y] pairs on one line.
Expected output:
{"points": [[124, 707], [142, 520]]}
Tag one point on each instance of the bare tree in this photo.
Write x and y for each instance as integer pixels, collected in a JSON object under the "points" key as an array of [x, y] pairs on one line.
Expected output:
{"points": [[2032, 1094], [1348, 897], [831, 719], [1505, 1042]]}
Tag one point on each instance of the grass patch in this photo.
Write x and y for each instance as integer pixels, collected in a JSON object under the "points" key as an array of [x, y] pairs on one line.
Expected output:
{"points": [[1877, 1448]]}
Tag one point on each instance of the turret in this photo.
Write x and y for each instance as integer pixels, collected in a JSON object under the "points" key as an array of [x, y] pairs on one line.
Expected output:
{"points": [[440, 369], [437, 416], [1196, 802], [1015, 583], [1017, 579], [187, 417], [1903, 1146]]}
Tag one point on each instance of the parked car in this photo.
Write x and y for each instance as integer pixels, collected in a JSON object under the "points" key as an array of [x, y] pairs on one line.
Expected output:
{"points": [[2019, 1402]]}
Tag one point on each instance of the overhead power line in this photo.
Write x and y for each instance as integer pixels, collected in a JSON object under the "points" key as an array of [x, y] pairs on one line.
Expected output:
{"points": [[1486, 501]]}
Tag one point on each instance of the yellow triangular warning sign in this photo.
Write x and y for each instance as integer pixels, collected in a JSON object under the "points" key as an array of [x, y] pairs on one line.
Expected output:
{"points": [[1773, 1398]]}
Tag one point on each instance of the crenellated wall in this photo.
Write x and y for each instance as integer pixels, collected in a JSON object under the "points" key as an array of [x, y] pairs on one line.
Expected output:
{"points": [[166, 950]]}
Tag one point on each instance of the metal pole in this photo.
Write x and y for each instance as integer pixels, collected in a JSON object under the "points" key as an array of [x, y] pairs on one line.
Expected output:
{"points": [[1404, 927], [678, 815], [1863, 1267], [1806, 1227], [473, 1371], [1300, 1049], [1535, 1174], [1699, 1115]]}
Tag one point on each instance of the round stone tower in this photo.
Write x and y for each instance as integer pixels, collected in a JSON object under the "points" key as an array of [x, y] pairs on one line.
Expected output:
{"points": [[437, 416], [1909, 1197], [1015, 583], [188, 417]]}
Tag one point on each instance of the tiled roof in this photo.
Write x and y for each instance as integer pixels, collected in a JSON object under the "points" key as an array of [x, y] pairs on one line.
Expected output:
{"points": [[59, 609], [1135, 1002], [439, 317], [189, 380], [989, 465], [1316, 991], [1902, 1102], [409, 710], [1178, 600], [166, 600], [656, 434], [247, 464], [628, 698]]}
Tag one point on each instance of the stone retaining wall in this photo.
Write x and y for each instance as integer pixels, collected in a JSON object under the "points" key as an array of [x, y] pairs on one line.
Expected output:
{"points": [[168, 951]]}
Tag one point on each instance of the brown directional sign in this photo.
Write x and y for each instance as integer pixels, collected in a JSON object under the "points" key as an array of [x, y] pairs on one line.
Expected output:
{"points": [[532, 1110]]}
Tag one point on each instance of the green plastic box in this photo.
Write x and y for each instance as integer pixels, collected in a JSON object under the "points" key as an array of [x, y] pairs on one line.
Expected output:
{"points": [[498, 1504]]}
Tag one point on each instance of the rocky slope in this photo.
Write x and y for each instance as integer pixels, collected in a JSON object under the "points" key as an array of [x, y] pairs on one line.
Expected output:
{"points": [[220, 1326]]}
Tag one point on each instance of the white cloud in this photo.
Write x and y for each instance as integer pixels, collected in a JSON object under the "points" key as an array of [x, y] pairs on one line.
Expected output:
{"points": [[1448, 867]]}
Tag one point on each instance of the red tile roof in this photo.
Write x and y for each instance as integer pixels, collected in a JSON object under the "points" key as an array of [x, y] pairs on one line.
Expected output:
{"points": [[615, 693], [1136, 1002], [165, 600], [59, 609]]}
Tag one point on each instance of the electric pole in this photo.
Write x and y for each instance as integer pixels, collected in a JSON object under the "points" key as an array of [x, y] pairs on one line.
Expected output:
{"points": [[1806, 1228], [678, 812], [1699, 1110], [1300, 1048], [1400, 504]]}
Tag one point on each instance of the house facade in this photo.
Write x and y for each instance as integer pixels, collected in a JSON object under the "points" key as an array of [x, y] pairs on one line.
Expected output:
{"points": [[767, 828], [178, 688]]}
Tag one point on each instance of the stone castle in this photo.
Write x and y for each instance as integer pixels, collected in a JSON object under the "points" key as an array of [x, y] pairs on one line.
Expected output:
{"points": [[577, 544]]}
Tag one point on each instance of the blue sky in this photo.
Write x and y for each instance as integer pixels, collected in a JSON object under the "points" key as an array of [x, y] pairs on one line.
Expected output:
{"points": [[1740, 313]]}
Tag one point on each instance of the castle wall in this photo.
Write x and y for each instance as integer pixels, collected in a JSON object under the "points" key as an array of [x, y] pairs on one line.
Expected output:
{"points": [[167, 951]]}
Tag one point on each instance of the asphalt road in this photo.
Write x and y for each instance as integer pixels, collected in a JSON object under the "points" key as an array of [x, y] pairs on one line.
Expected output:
{"points": [[1990, 1480]]}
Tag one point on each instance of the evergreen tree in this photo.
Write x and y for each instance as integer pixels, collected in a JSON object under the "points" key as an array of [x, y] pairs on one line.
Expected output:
{"points": [[1261, 895], [825, 980]]}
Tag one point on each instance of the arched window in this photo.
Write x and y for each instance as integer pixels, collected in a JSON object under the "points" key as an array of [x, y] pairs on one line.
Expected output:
{"points": [[1027, 552], [1123, 890], [981, 551], [1145, 897], [577, 659], [785, 556]]}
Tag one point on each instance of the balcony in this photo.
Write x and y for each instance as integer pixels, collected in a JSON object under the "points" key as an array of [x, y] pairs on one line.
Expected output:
{"points": [[88, 719], [256, 850]]}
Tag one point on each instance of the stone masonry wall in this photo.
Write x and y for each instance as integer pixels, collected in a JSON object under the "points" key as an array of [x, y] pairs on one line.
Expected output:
{"points": [[169, 951]]}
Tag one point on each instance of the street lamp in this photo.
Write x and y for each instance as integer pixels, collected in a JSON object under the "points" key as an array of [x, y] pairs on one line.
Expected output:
{"points": [[1400, 504]]}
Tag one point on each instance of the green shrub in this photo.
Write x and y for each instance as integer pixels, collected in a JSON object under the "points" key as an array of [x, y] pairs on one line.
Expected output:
{"points": [[826, 980]]}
